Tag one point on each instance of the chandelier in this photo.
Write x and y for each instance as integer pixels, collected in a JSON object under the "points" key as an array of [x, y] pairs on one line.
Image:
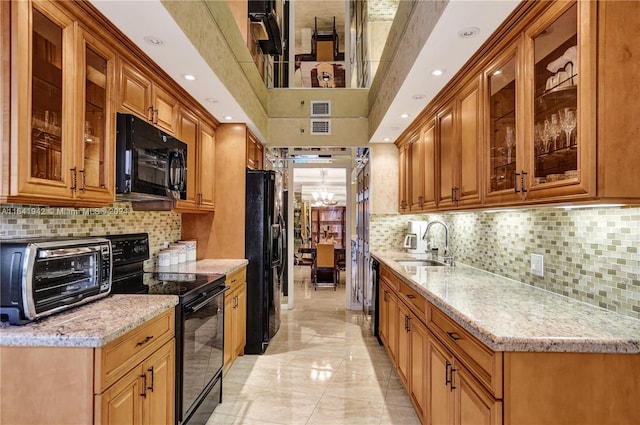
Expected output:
{"points": [[323, 197]]}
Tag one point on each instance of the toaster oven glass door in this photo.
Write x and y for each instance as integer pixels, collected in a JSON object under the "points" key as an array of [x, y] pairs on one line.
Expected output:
{"points": [[61, 277]]}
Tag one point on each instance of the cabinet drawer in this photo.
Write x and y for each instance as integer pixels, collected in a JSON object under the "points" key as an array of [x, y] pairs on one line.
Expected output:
{"points": [[415, 301], [119, 356], [234, 279], [389, 277], [484, 363]]}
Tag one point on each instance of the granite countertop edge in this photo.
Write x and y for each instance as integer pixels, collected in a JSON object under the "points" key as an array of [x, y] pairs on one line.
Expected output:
{"points": [[73, 328], [604, 344]]}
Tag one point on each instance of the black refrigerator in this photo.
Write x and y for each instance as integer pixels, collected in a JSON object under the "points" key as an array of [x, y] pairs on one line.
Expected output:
{"points": [[264, 248]]}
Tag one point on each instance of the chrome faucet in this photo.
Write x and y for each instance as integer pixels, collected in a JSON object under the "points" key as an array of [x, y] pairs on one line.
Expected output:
{"points": [[448, 257]]}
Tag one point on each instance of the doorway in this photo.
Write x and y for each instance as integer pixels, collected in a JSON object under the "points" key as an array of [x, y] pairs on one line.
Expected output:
{"points": [[316, 188]]}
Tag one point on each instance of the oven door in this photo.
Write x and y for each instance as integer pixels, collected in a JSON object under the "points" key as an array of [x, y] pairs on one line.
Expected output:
{"points": [[202, 353]]}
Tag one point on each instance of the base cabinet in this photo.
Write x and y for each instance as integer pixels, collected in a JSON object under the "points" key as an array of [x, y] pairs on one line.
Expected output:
{"points": [[145, 395], [130, 380], [452, 377], [235, 316], [455, 395]]}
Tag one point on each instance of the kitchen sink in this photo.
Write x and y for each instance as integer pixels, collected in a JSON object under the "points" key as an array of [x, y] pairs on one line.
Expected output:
{"points": [[420, 263]]}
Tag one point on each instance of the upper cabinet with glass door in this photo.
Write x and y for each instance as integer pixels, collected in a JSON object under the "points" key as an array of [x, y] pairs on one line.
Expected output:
{"points": [[503, 127], [96, 135], [559, 156], [63, 83]]}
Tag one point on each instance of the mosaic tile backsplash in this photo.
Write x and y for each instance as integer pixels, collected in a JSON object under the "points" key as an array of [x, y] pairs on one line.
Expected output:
{"points": [[31, 221], [590, 254]]}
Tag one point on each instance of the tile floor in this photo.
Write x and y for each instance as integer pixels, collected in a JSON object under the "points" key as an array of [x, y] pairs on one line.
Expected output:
{"points": [[322, 368]]}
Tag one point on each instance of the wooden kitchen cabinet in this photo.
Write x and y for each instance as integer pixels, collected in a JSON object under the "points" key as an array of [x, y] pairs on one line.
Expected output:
{"points": [[61, 152], [544, 120], [455, 396], [130, 380], [200, 139], [421, 156], [404, 177], [388, 326], [141, 96], [452, 377], [460, 149], [255, 153], [235, 316], [412, 352], [144, 396]]}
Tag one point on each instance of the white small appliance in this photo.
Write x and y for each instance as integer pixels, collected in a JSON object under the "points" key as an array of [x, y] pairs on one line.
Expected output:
{"points": [[413, 242]]}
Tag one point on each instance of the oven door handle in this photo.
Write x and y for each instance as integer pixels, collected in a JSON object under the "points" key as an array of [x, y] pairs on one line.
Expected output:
{"points": [[194, 308]]}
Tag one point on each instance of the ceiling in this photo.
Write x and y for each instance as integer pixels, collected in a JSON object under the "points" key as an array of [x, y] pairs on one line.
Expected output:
{"points": [[309, 180], [177, 56]]}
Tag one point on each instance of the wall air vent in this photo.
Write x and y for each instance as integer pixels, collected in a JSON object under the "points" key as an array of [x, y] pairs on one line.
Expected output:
{"points": [[320, 108], [320, 127]]}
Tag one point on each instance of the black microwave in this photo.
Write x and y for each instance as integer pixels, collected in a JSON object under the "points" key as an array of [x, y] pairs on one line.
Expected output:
{"points": [[150, 164]]}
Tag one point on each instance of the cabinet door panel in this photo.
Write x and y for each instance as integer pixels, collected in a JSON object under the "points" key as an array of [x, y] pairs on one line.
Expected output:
{"points": [[229, 313], [241, 319], [446, 145], [166, 109], [403, 167], [392, 329], [473, 404], [418, 377], [504, 147], [206, 166], [135, 92], [416, 173], [468, 188], [43, 100], [160, 381], [403, 365], [122, 403], [188, 133], [429, 146], [440, 400], [96, 128]]}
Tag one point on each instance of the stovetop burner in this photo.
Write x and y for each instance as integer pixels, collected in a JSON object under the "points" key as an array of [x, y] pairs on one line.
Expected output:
{"points": [[181, 284]]}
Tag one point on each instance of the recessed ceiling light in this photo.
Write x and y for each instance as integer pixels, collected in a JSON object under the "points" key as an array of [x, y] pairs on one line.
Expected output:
{"points": [[211, 100], [468, 32], [154, 41], [228, 117], [404, 116], [497, 72], [386, 139], [189, 77], [438, 72], [418, 96]]}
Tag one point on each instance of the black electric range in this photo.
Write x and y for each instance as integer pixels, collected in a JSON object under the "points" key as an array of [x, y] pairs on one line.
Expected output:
{"points": [[199, 323]]}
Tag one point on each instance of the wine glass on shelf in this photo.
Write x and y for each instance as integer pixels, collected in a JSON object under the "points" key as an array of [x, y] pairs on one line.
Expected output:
{"points": [[546, 135], [539, 139], [555, 130], [568, 122], [510, 141]]}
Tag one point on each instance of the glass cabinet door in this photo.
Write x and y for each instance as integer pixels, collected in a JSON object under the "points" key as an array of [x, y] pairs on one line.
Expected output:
{"points": [[502, 140], [97, 86], [47, 97], [556, 78]]}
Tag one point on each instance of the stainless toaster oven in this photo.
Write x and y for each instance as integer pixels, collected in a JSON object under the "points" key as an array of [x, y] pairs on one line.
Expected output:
{"points": [[42, 277]]}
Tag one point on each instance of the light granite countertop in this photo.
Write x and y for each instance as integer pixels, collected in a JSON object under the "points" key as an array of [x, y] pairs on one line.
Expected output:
{"points": [[204, 266], [508, 315], [91, 325]]}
